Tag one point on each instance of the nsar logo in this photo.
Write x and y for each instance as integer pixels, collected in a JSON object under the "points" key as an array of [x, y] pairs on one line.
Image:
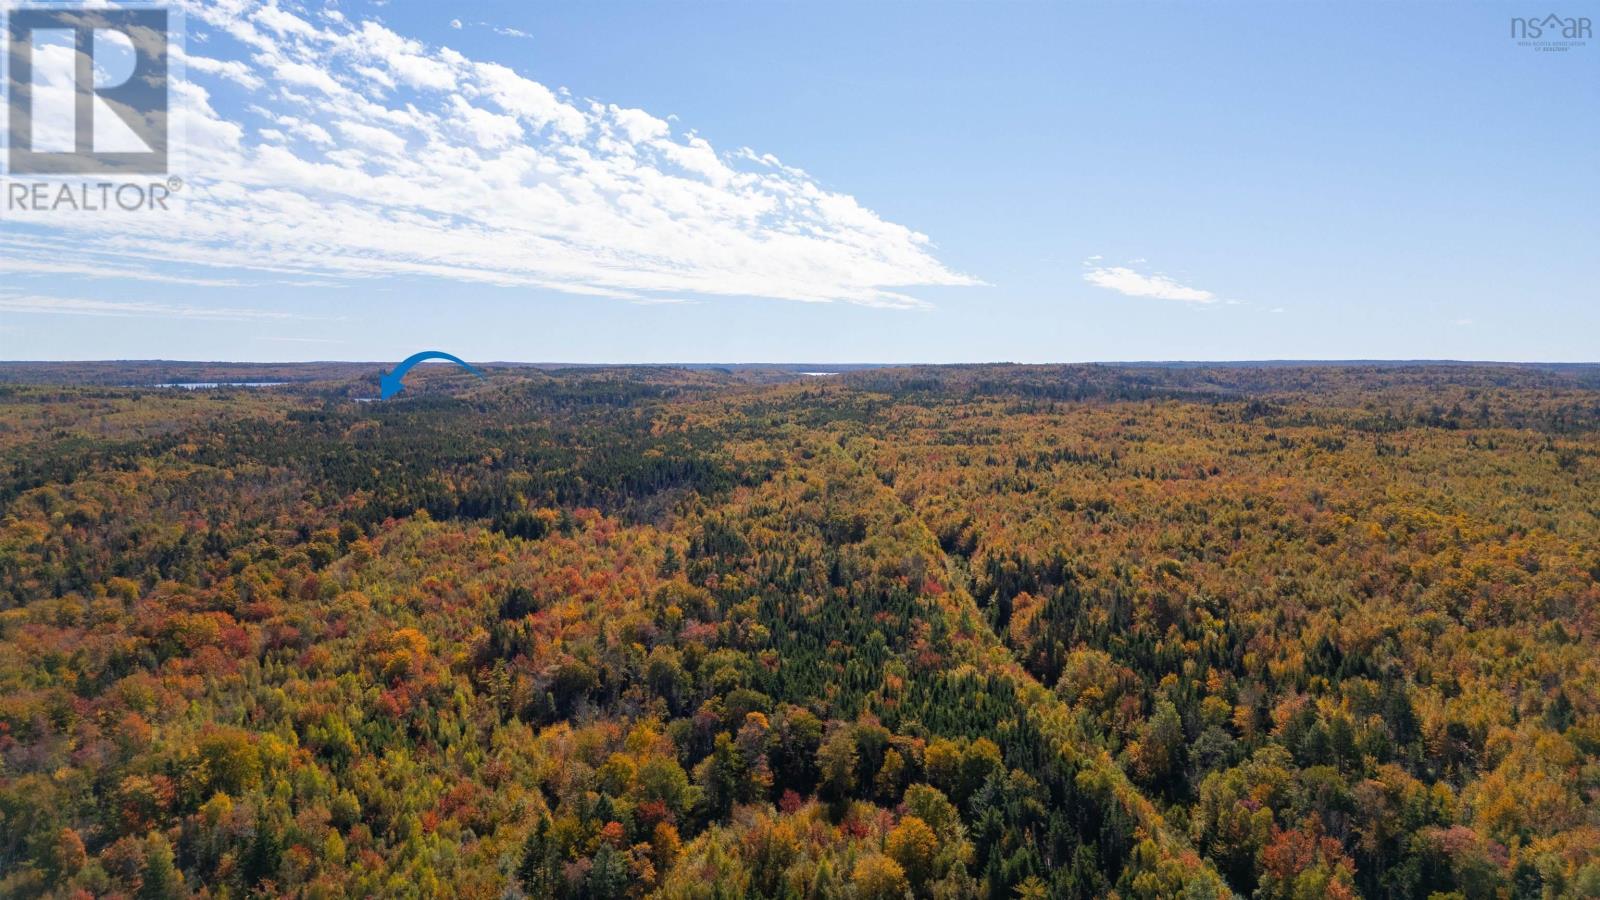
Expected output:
{"points": [[1551, 33]]}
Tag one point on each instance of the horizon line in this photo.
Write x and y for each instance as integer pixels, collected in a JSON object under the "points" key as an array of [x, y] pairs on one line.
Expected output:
{"points": [[1266, 361]]}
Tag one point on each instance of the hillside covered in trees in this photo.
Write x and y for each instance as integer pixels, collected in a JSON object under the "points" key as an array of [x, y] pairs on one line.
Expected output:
{"points": [[981, 631]]}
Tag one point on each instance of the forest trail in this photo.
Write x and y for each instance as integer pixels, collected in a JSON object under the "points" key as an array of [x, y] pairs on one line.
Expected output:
{"points": [[985, 651]]}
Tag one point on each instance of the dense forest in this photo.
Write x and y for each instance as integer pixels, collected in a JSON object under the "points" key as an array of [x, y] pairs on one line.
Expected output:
{"points": [[940, 632]]}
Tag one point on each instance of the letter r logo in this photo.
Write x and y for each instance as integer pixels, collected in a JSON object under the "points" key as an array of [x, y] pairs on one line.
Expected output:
{"points": [[88, 91]]}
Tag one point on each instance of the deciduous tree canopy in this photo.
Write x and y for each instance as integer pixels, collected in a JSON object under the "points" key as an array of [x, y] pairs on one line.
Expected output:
{"points": [[953, 632]]}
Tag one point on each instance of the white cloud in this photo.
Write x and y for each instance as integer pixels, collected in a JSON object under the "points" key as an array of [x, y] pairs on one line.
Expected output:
{"points": [[502, 30], [530, 100], [375, 75], [490, 130], [362, 154], [698, 157], [232, 69], [639, 125], [372, 138], [285, 23], [41, 258], [310, 131], [663, 301], [121, 309], [422, 72], [1134, 284], [307, 75]]}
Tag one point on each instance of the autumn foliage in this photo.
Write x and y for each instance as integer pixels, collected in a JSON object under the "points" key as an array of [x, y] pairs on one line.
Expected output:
{"points": [[947, 632]]}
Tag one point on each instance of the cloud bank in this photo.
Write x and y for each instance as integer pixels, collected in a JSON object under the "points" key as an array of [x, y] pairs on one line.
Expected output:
{"points": [[319, 145]]}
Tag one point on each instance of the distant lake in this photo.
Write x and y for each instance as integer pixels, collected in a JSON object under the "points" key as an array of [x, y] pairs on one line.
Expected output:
{"points": [[198, 385], [818, 374]]}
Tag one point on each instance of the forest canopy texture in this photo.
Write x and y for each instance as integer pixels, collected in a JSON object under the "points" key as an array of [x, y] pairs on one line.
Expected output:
{"points": [[991, 631]]}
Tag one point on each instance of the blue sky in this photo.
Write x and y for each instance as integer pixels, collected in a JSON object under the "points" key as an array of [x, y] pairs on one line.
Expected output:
{"points": [[836, 182]]}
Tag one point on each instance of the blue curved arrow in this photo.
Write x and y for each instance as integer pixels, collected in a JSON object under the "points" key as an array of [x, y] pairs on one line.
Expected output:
{"points": [[392, 382]]}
